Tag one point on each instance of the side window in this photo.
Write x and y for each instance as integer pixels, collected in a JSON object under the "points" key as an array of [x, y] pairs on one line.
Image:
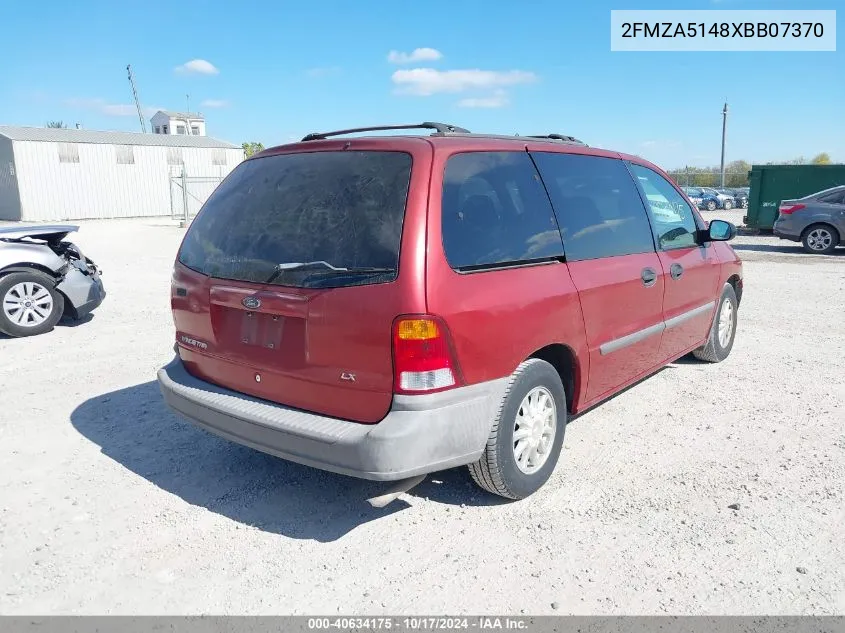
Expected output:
{"points": [[672, 218], [833, 198], [597, 206], [496, 212]]}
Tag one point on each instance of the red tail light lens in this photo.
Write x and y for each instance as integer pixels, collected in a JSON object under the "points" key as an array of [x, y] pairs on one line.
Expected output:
{"points": [[423, 360], [791, 208]]}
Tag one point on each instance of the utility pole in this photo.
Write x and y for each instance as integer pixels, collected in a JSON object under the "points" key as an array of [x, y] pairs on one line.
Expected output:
{"points": [[724, 128], [188, 115], [137, 102]]}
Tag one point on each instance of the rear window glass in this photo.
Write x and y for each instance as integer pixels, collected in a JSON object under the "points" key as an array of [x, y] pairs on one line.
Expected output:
{"points": [[318, 219], [495, 212]]}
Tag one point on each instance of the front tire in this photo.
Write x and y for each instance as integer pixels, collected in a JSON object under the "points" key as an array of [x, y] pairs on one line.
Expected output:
{"points": [[29, 304], [820, 239], [527, 436], [728, 205], [723, 331], [711, 205]]}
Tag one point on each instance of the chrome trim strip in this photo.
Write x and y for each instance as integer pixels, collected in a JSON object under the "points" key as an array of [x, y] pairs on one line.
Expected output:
{"points": [[619, 343], [690, 314], [630, 339]]}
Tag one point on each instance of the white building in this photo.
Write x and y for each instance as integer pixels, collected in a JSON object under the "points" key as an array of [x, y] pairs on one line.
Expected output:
{"points": [[183, 123], [49, 174]]}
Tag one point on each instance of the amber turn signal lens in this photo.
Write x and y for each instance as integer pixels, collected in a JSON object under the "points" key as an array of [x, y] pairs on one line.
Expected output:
{"points": [[417, 330]]}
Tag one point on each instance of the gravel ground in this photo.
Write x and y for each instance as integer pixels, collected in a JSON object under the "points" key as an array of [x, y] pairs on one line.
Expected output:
{"points": [[110, 504]]}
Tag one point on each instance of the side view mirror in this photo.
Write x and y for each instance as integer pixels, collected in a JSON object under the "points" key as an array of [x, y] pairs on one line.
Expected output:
{"points": [[721, 231]]}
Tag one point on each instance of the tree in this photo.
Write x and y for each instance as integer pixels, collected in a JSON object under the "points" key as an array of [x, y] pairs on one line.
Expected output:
{"points": [[821, 159], [736, 173], [56, 124], [251, 148]]}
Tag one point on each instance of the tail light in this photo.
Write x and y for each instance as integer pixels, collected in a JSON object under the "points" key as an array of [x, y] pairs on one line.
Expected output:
{"points": [[423, 358], [791, 208]]}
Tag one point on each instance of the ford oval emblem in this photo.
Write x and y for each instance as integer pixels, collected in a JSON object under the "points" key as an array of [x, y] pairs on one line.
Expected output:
{"points": [[251, 303]]}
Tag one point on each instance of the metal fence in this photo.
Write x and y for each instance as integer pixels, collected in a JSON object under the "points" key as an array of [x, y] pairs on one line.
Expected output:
{"points": [[697, 178], [189, 193], [734, 216]]}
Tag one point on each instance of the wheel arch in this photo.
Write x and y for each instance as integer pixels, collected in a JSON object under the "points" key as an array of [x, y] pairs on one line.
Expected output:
{"points": [[564, 360], [826, 225], [28, 267], [736, 283]]}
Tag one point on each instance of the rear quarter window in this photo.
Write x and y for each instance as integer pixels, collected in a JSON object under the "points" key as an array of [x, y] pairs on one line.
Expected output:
{"points": [[837, 197], [340, 211], [495, 212]]}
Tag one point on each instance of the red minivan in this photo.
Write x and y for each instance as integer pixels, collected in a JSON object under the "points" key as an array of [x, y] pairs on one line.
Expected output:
{"points": [[388, 306]]}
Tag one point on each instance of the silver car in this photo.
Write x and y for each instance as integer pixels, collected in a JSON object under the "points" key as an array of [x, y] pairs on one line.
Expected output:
{"points": [[44, 277], [817, 220]]}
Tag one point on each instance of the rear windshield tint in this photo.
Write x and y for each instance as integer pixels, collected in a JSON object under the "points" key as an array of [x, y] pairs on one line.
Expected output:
{"points": [[317, 219]]}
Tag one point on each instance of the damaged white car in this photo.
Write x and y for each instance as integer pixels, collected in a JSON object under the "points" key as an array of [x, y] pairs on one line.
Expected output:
{"points": [[42, 278]]}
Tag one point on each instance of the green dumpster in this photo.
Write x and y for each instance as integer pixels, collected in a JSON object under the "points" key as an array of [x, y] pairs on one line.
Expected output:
{"points": [[772, 183]]}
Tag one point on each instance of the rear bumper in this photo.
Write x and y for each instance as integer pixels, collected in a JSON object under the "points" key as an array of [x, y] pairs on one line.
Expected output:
{"points": [[785, 230], [419, 435]]}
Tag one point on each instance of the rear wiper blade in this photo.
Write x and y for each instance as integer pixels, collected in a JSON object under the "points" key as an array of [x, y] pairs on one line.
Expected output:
{"points": [[281, 268], [355, 270]]}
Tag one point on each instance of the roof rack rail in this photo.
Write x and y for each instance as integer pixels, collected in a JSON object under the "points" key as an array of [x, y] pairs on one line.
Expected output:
{"points": [[558, 137], [440, 128]]}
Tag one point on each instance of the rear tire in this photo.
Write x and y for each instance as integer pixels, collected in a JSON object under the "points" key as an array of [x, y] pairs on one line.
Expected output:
{"points": [[711, 205], [723, 331], [728, 205], [29, 304], [527, 436], [820, 239]]}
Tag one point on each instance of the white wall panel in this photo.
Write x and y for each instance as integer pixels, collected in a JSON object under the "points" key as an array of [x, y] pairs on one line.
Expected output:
{"points": [[100, 187]]}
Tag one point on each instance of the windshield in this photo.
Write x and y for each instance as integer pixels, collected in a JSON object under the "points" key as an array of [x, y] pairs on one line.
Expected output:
{"points": [[317, 219]]}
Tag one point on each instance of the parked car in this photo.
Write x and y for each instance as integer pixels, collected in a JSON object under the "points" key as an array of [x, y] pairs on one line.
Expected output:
{"points": [[694, 194], [391, 306], [720, 200], [736, 196], [703, 198], [42, 278], [740, 196], [817, 220]]}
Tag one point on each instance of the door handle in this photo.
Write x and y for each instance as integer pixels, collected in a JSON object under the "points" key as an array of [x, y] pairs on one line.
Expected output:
{"points": [[676, 270], [648, 276]]}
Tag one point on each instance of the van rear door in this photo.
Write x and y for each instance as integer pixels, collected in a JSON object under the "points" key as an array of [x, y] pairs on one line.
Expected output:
{"points": [[288, 280]]}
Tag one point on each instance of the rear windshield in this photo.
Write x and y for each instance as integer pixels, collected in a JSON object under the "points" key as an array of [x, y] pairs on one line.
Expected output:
{"points": [[317, 219]]}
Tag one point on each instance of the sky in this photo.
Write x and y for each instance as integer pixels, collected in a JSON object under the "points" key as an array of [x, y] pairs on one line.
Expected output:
{"points": [[271, 72]]}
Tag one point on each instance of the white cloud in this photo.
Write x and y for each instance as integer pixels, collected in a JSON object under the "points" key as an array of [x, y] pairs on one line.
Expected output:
{"points": [[416, 55], [428, 81], [320, 72], [197, 66], [109, 109], [664, 144], [498, 99], [214, 103]]}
